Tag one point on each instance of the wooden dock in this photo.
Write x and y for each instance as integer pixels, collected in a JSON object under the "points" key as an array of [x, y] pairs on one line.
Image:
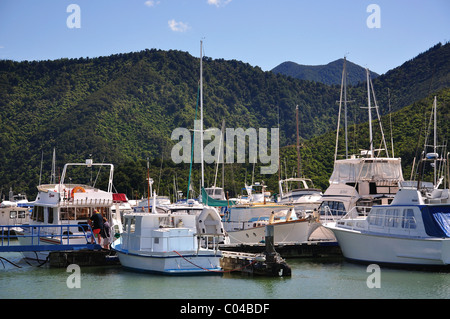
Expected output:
{"points": [[267, 262], [310, 249]]}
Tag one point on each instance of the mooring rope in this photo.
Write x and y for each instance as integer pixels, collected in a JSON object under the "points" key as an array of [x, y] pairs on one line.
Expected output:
{"points": [[218, 271]]}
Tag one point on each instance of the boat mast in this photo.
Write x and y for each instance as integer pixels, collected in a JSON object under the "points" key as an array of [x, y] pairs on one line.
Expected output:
{"points": [[370, 114], [298, 146], [435, 138], [344, 75], [343, 93], [201, 111]]}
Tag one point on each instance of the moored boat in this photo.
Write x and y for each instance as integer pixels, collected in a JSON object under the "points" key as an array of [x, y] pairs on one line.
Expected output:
{"points": [[67, 203], [171, 243], [413, 230]]}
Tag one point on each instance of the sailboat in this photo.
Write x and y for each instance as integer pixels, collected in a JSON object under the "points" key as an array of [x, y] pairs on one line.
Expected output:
{"points": [[299, 191], [360, 181]]}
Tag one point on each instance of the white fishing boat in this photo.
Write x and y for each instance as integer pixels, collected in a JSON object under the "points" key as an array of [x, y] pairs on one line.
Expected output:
{"points": [[171, 243], [67, 203], [413, 230]]}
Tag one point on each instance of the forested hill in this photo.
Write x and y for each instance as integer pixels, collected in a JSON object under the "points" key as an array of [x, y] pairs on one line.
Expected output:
{"points": [[123, 108], [330, 73]]}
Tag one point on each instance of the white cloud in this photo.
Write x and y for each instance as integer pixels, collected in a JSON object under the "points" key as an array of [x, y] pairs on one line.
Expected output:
{"points": [[151, 3], [178, 26], [219, 3]]}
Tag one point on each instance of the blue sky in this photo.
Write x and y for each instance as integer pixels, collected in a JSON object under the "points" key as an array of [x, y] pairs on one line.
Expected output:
{"points": [[262, 33]]}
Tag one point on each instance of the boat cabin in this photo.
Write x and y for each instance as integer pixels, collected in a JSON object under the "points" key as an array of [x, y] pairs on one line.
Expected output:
{"points": [[159, 232]]}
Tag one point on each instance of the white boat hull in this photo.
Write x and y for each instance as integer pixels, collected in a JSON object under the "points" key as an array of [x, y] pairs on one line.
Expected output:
{"points": [[371, 248], [296, 231], [171, 263]]}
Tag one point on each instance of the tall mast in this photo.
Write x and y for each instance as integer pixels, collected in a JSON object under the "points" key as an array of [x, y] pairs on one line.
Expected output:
{"points": [[298, 145], [370, 114], [201, 111], [435, 138], [344, 75]]}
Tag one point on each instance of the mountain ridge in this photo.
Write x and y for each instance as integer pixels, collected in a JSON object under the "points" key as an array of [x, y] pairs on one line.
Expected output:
{"points": [[330, 73]]}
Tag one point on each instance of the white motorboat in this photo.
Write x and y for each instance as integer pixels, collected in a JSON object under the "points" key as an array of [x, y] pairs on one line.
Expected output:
{"points": [[412, 230], [67, 203], [245, 221], [171, 243], [301, 193]]}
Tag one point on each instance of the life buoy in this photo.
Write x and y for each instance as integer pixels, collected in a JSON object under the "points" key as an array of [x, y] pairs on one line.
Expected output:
{"points": [[77, 189]]}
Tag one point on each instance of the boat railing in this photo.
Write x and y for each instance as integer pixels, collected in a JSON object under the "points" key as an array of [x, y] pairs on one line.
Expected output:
{"points": [[87, 202], [329, 214], [46, 237]]}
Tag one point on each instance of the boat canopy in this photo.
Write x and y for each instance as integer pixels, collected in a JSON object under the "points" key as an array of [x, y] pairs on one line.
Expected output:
{"points": [[209, 201], [367, 169], [436, 220]]}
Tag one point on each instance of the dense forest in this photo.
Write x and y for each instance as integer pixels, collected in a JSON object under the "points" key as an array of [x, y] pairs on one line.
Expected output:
{"points": [[122, 109]]}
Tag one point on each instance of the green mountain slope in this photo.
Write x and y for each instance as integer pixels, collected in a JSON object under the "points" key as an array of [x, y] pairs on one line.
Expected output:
{"points": [[123, 108]]}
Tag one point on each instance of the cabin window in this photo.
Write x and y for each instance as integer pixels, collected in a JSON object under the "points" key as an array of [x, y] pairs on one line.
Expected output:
{"points": [[130, 225], [82, 213], [50, 215], [408, 221], [392, 216], [67, 213], [376, 217], [21, 214], [336, 208], [38, 213], [13, 214]]}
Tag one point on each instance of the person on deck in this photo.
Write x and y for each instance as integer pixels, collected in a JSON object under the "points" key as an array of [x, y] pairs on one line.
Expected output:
{"points": [[96, 223]]}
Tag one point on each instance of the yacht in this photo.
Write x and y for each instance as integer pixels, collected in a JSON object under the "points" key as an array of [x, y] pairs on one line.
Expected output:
{"points": [[413, 230]]}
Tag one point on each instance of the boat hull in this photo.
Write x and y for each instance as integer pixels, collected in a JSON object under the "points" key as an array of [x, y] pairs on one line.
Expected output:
{"points": [[171, 263], [296, 231], [371, 248]]}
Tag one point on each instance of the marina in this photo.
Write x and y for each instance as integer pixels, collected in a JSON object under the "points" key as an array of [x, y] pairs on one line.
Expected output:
{"points": [[361, 232]]}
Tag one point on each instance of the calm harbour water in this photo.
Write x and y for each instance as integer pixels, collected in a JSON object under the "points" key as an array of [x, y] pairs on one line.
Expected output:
{"points": [[311, 279]]}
